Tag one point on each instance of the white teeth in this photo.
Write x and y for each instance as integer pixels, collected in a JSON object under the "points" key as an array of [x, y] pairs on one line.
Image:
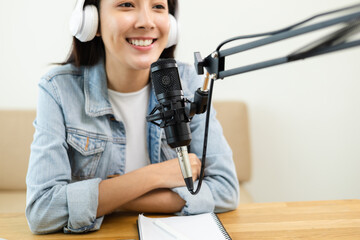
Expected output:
{"points": [[142, 43]]}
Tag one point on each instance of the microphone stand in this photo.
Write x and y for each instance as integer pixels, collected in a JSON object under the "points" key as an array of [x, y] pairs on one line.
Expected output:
{"points": [[335, 41], [215, 62]]}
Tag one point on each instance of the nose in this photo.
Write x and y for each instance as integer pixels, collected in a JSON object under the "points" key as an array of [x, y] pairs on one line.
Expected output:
{"points": [[145, 19]]}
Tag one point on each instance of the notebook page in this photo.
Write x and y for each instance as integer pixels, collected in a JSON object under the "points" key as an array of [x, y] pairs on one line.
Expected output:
{"points": [[202, 226]]}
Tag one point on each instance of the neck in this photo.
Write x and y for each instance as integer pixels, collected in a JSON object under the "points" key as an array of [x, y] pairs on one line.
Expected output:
{"points": [[126, 80]]}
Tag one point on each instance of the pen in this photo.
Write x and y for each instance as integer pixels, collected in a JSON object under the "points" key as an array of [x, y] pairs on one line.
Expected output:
{"points": [[168, 229]]}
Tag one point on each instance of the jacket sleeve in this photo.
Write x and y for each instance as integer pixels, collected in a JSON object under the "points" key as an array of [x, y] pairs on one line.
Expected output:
{"points": [[53, 202], [220, 188]]}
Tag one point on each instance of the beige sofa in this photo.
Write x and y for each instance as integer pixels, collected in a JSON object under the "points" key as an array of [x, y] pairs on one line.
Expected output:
{"points": [[16, 131], [233, 117]]}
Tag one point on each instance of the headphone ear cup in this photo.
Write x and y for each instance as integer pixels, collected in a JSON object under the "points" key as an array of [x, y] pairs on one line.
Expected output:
{"points": [[76, 20], [90, 22], [173, 33]]}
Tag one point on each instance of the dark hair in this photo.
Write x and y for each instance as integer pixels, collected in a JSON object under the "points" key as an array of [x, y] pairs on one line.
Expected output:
{"points": [[89, 53]]}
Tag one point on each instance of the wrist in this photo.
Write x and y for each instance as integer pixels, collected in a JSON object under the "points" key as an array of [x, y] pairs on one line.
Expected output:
{"points": [[155, 176]]}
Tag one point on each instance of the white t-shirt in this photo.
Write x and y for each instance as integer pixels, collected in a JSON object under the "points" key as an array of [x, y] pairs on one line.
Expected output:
{"points": [[131, 109]]}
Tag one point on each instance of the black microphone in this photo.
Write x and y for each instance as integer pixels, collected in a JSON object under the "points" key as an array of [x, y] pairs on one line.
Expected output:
{"points": [[175, 120]]}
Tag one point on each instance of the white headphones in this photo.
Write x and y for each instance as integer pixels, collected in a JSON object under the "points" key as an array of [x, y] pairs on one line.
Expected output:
{"points": [[84, 23]]}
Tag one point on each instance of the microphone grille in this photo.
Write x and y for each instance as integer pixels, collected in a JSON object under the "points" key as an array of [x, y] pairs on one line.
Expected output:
{"points": [[165, 76]]}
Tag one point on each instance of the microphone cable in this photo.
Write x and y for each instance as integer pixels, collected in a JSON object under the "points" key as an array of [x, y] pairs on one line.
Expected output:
{"points": [[206, 130], [282, 29]]}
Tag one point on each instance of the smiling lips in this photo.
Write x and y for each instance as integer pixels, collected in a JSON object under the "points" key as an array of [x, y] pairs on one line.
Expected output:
{"points": [[140, 42]]}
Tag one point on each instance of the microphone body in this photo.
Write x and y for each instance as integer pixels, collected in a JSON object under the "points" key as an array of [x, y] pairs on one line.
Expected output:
{"points": [[175, 121]]}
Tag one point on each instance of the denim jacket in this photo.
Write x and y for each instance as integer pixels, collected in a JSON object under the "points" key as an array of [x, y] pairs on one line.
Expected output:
{"points": [[78, 143]]}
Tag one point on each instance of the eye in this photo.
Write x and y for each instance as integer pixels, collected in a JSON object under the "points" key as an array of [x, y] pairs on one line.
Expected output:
{"points": [[159, 6], [126, 5]]}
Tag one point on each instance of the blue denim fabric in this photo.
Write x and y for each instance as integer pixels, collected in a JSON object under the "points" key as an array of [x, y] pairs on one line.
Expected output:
{"points": [[77, 143]]}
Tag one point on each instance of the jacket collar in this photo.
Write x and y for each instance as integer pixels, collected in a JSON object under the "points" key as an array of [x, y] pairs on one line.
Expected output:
{"points": [[96, 92], [95, 88]]}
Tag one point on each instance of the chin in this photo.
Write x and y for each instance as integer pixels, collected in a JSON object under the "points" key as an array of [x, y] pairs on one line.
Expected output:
{"points": [[144, 63], [142, 66]]}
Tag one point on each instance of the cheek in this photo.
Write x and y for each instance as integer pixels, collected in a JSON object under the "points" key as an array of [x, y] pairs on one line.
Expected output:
{"points": [[163, 25], [114, 27], [110, 27]]}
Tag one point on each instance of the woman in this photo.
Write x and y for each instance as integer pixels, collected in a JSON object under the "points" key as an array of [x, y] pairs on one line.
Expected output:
{"points": [[93, 152]]}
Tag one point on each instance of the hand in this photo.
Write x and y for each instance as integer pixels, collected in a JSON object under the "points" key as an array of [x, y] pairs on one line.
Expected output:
{"points": [[170, 174]]}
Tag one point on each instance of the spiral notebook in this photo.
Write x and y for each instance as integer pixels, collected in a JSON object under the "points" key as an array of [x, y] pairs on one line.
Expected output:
{"points": [[202, 226]]}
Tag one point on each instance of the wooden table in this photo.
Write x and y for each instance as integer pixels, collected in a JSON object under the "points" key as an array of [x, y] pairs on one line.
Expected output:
{"points": [[290, 220]]}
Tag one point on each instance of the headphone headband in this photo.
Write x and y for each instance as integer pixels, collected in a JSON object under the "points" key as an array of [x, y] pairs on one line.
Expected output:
{"points": [[84, 24]]}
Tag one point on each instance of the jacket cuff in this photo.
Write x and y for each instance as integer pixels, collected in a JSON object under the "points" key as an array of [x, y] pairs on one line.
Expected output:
{"points": [[202, 202], [82, 200]]}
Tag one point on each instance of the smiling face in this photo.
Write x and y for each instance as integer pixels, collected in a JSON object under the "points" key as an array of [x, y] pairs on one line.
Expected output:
{"points": [[134, 32]]}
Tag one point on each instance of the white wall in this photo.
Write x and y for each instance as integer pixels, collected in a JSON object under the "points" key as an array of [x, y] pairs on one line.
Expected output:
{"points": [[33, 35], [304, 116]]}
